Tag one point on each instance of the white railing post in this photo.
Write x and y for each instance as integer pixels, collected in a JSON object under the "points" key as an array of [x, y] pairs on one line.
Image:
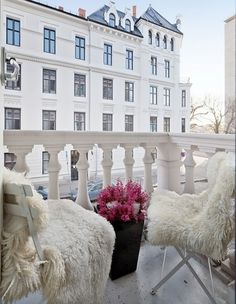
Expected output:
{"points": [[189, 164], [148, 161], [21, 152], [128, 161], [107, 163], [168, 167], [53, 171], [82, 166]]}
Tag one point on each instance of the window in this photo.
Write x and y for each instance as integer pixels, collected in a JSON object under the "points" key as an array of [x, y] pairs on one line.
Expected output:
{"points": [[167, 69], [129, 60], [45, 162], [154, 65], [49, 81], [107, 122], [149, 37], [107, 88], [49, 41], [12, 119], [127, 25], [183, 99], [112, 20], [79, 48], [80, 85], [13, 32], [172, 44], [153, 123], [157, 39], [49, 120], [9, 160], [165, 42], [74, 157], [79, 121], [153, 95], [129, 91], [166, 124], [10, 84], [129, 122], [107, 55], [166, 97], [183, 126]]}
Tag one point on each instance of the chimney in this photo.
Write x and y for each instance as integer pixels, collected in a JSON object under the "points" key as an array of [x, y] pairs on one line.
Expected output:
{"points": [[134, 10], [61, 8], [82, 12]]}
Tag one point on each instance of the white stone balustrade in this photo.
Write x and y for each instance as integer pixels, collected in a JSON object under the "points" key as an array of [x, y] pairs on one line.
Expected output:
{"points": [[168, 154]]}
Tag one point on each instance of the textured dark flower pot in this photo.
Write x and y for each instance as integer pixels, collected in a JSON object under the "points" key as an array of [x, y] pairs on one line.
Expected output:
{"points": [[127, 244]]}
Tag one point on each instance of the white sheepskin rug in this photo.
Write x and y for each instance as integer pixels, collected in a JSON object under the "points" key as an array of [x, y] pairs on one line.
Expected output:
{"points": [[201, 223], [77, 247]]}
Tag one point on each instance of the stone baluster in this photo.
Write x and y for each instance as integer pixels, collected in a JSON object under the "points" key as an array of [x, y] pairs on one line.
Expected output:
{"points": [[128, 161], [82, 166], [107, 163], [148, 161], [168, 167], [21, 152], [189, 164], [53, 170]]}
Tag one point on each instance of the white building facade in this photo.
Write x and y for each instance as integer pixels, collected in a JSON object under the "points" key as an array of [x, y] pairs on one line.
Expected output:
{"points": [[110, 71]]}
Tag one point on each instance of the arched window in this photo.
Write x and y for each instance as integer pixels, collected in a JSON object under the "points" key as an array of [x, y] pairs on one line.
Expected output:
{"points": [[112, 20], [127, 25], [172, 44], [149, 37], [157, 39], [165, 42]]}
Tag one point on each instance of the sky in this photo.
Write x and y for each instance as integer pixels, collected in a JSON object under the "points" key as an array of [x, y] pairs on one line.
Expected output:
{"points": [[202, 52]]}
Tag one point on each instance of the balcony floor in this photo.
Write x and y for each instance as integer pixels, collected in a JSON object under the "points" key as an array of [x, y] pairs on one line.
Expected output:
{"points": [[135, 288]]}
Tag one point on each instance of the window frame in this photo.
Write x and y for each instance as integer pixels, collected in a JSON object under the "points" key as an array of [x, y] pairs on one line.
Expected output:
{"points": [[80, 47], [49, 120], [79, 85], [107, 54], [107, 88], [50, 72], [10, 84], [129, 91], [51, 50], [166, 97], [166, 126], [183, 126], [79, 122], [14, 31], [107, 122], [12, 120], [129, 59], [167, 68], [129, 123], [112, 21], [157, 39], [183, 98], [153, 125], [154, 65], [127, 25], [172, 48], [153, 94], [45, 162], [150, 37], [165, 42], [10, 164]]}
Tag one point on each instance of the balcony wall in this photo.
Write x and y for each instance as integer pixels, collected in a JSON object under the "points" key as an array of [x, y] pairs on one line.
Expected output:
{"points": [[167, 148]]}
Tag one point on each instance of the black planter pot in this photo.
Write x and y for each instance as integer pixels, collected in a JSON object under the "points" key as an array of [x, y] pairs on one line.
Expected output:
{"points": [[127, 244]]}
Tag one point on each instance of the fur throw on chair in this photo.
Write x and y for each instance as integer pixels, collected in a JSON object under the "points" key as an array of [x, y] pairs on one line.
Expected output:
{"points": [[77, 247], [201, 223]]}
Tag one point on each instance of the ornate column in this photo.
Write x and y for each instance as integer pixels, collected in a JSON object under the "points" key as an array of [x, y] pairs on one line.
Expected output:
{"points": [[53, 170], [128, 161], [21, 152], [107, 163], [168, 167], [189, 164], [148, 161], [82, 166]]}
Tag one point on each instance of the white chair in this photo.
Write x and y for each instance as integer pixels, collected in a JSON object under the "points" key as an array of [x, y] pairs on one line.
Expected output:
{"points": [[55, 245], [202, 224]]}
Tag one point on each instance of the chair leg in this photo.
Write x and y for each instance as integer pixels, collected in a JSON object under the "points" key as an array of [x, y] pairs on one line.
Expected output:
{"points": [[163, 263], [171, 273], [211, 298], [212, 283]]}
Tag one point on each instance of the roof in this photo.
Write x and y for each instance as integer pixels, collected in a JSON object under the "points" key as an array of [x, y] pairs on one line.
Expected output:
{"points": [[98, 17], [153, 16]]}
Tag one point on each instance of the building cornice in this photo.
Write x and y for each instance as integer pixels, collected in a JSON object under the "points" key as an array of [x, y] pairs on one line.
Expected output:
{"points": [[230, 18]]}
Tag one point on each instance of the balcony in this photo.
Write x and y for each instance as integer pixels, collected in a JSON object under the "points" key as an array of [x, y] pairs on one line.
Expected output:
{"points": [[134, 288]]}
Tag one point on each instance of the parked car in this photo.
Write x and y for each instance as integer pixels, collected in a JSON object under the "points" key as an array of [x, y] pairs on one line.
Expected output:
{"points": [[43, 191]]}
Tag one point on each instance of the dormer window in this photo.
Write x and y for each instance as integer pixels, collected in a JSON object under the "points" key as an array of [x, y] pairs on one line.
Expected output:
{"points": [[149, 37], [112, 20], [157, 39], [127, 25], [172, 44], [165, 42]]}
